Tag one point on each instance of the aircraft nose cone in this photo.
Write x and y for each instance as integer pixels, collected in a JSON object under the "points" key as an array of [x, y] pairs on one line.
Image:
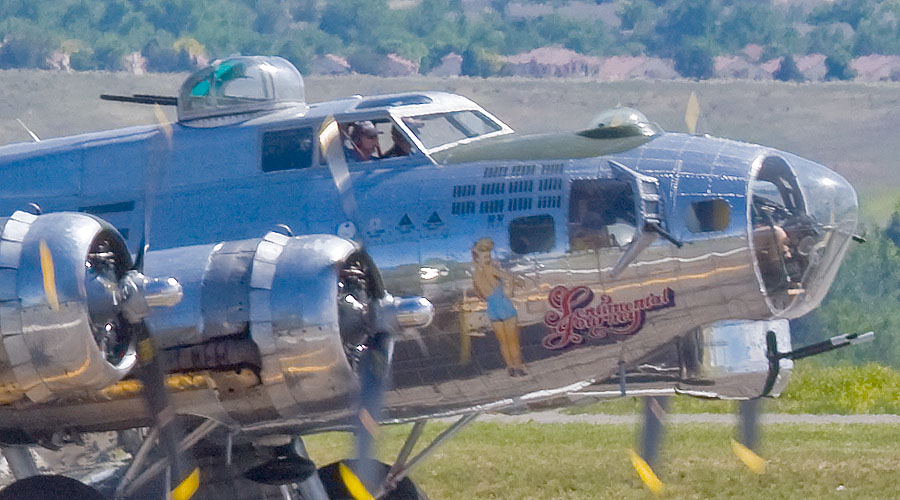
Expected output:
{"points": [[803, 218]]}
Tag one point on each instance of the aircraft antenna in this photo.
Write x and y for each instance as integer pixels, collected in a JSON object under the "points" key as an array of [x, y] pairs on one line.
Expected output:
{"points": [[34, 136]]}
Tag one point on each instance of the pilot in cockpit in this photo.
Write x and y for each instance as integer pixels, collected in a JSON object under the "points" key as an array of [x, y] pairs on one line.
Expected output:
{"points": [[401, 146], [364, 139]]}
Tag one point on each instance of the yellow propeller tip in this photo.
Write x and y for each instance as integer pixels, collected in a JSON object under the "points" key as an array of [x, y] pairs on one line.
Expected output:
{"points": [[188, 487], [645, 472], [692, 113], [754, 462], [353, 484]]}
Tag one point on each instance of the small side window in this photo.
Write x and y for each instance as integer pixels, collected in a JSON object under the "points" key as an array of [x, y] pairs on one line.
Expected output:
{"points": [[536, 233], [601, 214], [707, 216], [287, 149]]}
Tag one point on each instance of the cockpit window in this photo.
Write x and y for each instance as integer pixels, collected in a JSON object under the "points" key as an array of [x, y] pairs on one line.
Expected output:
{"points": [[287, 149], [377, 139], [445, 128]]}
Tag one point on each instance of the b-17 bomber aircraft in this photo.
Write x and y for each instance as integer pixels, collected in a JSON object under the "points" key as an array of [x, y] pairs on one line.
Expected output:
{"points": [[382, 259]]}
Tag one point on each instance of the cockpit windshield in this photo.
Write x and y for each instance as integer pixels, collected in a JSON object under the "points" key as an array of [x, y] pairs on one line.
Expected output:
{"points": [[444, 129]]}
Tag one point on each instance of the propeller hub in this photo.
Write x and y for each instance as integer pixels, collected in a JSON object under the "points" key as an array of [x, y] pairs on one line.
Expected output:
{"points": [[140, 293]]}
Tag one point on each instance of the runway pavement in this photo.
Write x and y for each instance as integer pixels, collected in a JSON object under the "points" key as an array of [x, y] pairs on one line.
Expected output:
{"points": [[558, 417]]}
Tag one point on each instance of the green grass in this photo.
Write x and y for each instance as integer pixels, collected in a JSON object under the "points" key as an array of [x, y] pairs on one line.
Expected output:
{"points": [[845, 390], [573, 461], [579, 461], [876, 204]]}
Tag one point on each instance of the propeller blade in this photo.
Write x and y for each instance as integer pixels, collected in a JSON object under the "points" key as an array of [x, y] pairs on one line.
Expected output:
{"points": [[748, 436], [645, 472], [651, 439], [692, 113], [330, 143], [185, 475], [152, 176], [375, 357], [374, 369], [354, 485]]}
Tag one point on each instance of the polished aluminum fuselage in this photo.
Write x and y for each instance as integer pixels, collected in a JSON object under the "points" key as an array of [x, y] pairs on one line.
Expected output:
{"points": [[577, 321]]}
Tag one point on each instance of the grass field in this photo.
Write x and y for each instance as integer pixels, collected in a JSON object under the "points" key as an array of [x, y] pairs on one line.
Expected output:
{"points": [[574, 461], [582, 461]]}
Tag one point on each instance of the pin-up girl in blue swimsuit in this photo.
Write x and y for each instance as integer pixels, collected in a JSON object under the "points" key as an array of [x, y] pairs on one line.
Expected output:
{"points": [[488, 280]]}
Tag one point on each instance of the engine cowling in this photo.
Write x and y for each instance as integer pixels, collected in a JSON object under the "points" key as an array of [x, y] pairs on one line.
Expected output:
{"points": [[60, 326], [297, 311], [266, 330]]}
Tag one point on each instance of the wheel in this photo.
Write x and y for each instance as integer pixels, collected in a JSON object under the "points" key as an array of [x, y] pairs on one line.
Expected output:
{"points": [[334, 486], [49, 487]]}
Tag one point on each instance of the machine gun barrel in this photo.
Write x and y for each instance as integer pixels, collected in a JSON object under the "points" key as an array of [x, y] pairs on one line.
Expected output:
{"points": [[162, 100], [831, 344]]}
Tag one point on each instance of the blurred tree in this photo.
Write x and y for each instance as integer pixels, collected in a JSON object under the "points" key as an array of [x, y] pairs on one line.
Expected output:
{"points": [[304, 10], [880, 33], [366, 61], [24, 9], [685, 30], [837, 67], [479, 62], [521, 36], [354, 20], [685, 22], [429, 15], [113, 16], [162, 55], [27, 49], [174, 16], [223, 28], [746, 23], [637, 13], [864, 297], [829, 38], [582, 36], [109, 52], [271, 17], [843, 11], [487, 33], [83, 60], [892, 231], [695, 61], [301, 46], [788, 71], [79, 18], [403, 44]]}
